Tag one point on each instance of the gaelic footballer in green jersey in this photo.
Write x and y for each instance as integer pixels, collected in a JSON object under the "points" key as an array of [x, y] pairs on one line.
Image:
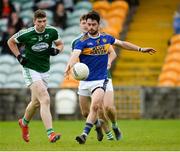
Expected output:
{"points": [[37, 46], [38, 42]]}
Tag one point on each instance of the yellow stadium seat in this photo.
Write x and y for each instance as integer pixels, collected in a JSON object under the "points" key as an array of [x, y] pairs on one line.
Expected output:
{"points": [[172, 66], [111, 31], [175, 39], [69, 82], [116, 13], [102, 12], [167, 83], [168, 75], [119, 5], [174, 56], [101, 5], [116, 23], [174, 48]]}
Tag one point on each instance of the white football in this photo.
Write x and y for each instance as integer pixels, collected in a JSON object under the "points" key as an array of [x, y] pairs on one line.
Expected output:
{"points": [[80, 71]]}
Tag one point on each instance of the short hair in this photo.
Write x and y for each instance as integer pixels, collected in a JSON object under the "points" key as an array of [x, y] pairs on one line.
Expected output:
{"points": [[39, 14], [94, 16], [83, 17]]}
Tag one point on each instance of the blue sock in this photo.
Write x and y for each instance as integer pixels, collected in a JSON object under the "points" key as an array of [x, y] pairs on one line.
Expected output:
{"points": [[87, 128]]}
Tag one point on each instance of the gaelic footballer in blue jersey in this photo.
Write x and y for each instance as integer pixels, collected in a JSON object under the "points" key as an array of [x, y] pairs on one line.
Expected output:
{"points": [[94, 53], [92, 49]]}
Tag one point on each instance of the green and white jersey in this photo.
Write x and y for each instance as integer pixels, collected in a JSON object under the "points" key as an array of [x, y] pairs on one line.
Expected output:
{"points": [[37, 46]]}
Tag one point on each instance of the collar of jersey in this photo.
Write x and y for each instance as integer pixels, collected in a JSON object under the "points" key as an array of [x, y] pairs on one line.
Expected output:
{"points": [[94, 37], [38, 31]]}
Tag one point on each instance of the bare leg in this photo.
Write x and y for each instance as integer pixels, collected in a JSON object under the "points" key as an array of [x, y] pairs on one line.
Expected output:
{"points": [[111, 112], [32, 107], [96, 100], [109, 105], [41, 93], [84, 103]]}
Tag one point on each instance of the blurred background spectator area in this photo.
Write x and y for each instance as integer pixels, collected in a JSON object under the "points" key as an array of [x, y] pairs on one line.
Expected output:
{"points": [[64, 15]]}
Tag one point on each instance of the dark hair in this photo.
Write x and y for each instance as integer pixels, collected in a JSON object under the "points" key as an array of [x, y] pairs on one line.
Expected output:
{"points": [[93, 15], [83, 17], [39, 14]]}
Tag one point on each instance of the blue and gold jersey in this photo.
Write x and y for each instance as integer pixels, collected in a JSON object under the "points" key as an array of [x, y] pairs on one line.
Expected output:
{"points": [[75, 40], [94, 53]]}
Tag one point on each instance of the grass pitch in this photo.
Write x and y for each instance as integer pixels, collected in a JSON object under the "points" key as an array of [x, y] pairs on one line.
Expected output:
{"points": [[137, 135]]}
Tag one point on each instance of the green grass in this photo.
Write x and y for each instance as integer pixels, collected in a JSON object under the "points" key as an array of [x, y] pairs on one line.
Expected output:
{"points": [[137, 135]]}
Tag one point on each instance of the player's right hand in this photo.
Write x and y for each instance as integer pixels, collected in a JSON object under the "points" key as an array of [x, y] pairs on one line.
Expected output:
{"points": [[54, 51], [67, 71], [22, 60]]}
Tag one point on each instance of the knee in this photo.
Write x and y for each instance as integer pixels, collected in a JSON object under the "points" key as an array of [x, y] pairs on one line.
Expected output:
{"points": [[108, 108], [95, 107], [37, 104], [85, 114], [45, 100]]}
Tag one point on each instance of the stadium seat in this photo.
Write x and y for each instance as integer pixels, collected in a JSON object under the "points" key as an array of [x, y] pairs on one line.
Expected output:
{"points": [[13, 85], [3, 78], [174, 48], [65, 102], [26, 13], [73, 22], [119, 5], [62, 58], [67, 49], [172, 66], [68, 39], [16, 78], [71, 31], [52, 84], [56, 77], [111, 31], [17, 68], [69, 82], [7, 59], [58, 68], [169, 75], [175, 39], [27, 5], [77, 13], [3, 24], [83, 5], [5, 68], [98, 5], [167, 83], [117, 13], [174, 56]]}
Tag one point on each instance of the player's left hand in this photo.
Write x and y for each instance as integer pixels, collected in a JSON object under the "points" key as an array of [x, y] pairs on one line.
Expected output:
{"points": [[151, 51], [54, 51]]}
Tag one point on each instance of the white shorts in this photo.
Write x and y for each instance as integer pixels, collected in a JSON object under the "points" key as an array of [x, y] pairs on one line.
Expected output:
{"points": [[86, 87], [31, 76]]}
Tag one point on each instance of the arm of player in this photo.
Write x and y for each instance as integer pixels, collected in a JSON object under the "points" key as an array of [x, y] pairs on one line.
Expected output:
{"points": [[133, 47], [13, 46], [58, 49], [73, 59], [14, 49], [111, 56], [59, 45]]}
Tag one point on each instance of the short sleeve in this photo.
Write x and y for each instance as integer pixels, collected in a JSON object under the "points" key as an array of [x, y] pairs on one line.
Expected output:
{"points": [[57, 36], [20, 36], [111, 39], [78, 45]]}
